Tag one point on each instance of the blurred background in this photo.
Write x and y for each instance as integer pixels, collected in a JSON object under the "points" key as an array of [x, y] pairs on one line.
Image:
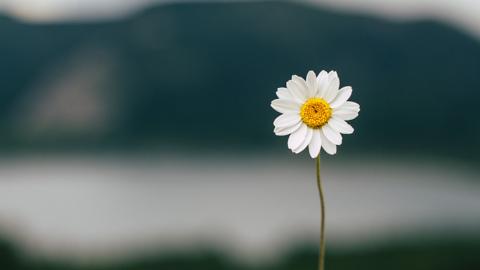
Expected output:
{"points": [[137, 134]]}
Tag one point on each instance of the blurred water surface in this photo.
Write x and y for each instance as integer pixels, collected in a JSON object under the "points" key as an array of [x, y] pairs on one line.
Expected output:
{"points": [[100, 208]]}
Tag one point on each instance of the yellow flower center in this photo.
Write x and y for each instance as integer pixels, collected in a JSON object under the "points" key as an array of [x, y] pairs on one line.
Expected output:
{"points": [[315, 112]]}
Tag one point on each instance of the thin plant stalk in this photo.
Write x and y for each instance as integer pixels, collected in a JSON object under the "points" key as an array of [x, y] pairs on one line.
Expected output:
{"points": [[321, 257]]}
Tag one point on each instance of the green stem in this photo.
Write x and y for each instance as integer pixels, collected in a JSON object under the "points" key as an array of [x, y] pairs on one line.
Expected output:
{"points": [[321, 257]]}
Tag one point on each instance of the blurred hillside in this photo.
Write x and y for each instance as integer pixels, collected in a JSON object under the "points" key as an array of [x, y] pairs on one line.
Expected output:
{"points": [[204, 74]]}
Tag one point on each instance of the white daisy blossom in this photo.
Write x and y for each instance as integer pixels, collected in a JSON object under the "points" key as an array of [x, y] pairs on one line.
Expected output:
{"points": [[314, 112]]}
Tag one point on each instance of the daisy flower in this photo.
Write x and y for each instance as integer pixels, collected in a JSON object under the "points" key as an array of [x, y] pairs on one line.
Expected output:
{"points": [[314, 112]]}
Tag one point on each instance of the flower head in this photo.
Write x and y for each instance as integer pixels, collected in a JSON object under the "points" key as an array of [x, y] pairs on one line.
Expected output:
{"points": [[314, 112]]}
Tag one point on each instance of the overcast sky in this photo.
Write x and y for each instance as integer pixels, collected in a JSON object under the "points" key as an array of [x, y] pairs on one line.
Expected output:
{"points": [[464, 13]]}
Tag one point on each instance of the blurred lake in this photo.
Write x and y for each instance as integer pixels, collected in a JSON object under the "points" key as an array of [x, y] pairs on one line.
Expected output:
{"points": [[99, 208]]}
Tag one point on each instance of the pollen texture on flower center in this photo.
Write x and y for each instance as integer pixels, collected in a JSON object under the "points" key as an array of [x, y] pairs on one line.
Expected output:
{"points": [[315, 112]]}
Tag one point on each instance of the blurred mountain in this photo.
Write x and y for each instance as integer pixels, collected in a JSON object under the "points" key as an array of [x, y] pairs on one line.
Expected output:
{"points": [[204, 74]]}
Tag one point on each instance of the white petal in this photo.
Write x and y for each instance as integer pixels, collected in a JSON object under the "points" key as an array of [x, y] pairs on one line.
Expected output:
{"points": [[286, 120], [322, 83], [286, 130], [350, 105], [327, 145], [285, 106], [340, 125], [312, 83], [348, 111], [297, 90], [297, 138], [332, 135], [342, 96], [305, 143], [333, 85], [316, 144], [302, 84], [345, 114], [283, 93]]}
